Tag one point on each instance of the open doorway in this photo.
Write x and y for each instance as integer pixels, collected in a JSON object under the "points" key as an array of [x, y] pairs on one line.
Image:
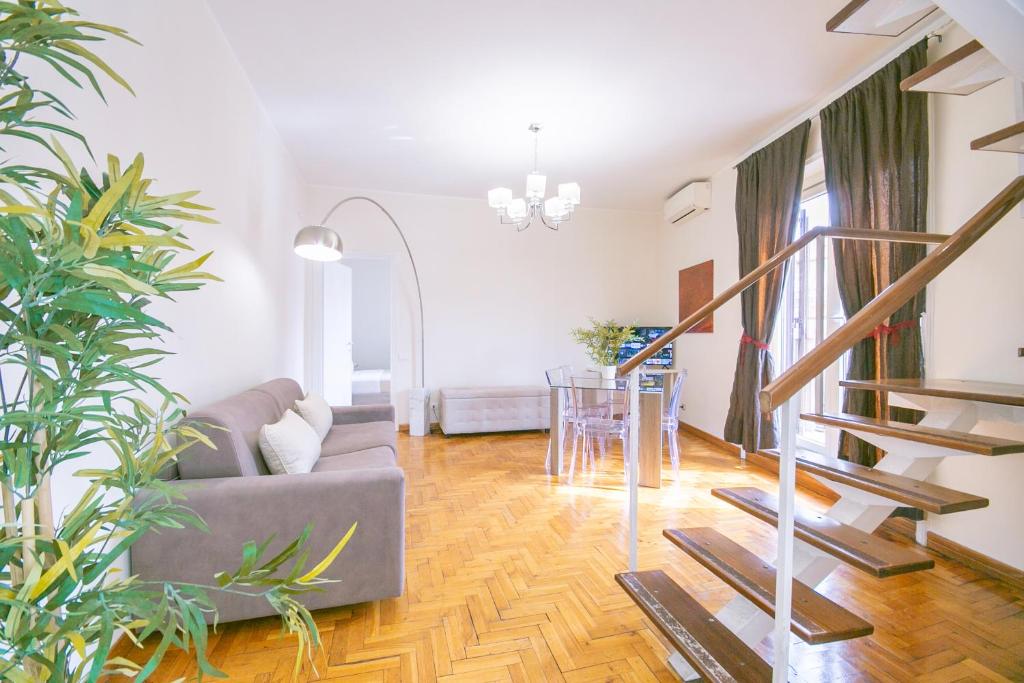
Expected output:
{"points": [[357, 331], [371, 330]]}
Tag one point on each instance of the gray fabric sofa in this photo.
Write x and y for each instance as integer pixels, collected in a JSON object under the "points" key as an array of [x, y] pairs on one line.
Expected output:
{"points": [[357, 479]]}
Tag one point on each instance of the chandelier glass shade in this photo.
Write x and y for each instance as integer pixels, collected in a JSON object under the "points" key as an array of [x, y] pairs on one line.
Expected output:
{"points": [[521, 211]]}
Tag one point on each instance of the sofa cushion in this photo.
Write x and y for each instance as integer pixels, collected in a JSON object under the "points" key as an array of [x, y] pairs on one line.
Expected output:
{"points": [[290, 445], [348, 438], [380, 412], [233, 425], [314, 410], [381, 456], [284, 390]]}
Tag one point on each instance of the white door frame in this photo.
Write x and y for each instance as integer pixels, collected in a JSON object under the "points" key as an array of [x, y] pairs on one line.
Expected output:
{"points": [[338, 365], [313, 347]]}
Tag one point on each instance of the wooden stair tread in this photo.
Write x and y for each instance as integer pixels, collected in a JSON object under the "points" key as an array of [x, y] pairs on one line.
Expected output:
{"points": [[816, 619], [879, 17], [1009, 139], [919, 494], [959, 441], [963, 71], [965, 390], [857, 548], [714, 651]]}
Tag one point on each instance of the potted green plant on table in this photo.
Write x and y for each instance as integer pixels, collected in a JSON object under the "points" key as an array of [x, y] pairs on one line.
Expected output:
{"points": [[81, 259], [602, 341]]}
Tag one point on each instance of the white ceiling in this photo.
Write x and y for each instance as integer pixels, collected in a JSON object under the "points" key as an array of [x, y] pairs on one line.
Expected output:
{"points": [[636, 98]]}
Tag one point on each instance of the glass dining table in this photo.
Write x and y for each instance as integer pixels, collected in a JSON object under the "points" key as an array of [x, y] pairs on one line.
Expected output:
{"points": [[650, 414]]}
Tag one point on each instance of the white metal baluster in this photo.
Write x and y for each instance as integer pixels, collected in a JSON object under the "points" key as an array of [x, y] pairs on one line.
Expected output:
{"points": [[632, 457], [787, 489], [819, 318], [784, 561]]}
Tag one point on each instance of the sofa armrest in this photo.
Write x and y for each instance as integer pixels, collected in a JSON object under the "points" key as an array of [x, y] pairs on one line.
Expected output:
{"points": [[346, 415], [241, 509]]}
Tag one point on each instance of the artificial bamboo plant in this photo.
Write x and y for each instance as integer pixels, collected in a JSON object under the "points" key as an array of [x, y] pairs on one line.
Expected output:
{"points": [[82, 257], [603, 339]]}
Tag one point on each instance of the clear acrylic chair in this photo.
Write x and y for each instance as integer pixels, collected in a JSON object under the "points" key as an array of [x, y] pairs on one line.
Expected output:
{"points": [[612, 423], [670, 420], [580, 417], [559, 377]]}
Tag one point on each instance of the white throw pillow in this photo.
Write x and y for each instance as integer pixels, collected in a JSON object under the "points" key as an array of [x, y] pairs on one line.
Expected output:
{"points": [[317, 413], [289, 446]]}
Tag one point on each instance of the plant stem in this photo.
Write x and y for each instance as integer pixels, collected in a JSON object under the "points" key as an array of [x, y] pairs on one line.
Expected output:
{"points": [[28, 532], [28, 562], [44, 498], [11, 528]]}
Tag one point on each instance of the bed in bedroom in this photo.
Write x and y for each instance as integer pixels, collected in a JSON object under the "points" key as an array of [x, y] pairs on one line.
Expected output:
{"points": [[371, 386]]}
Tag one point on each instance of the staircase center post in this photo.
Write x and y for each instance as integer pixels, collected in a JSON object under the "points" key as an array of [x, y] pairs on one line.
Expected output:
{"points": [[784, 568], [632, 464]]}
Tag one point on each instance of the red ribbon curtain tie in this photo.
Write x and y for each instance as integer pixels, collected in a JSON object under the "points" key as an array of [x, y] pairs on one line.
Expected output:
{"points": [[747, 339], [893, 331]]}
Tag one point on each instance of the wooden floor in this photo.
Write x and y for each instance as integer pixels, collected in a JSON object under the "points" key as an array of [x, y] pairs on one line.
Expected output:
{"points": [[509, 577]]}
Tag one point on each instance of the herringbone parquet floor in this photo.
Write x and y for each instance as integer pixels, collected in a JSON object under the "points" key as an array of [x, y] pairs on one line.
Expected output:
{"points": [[509, 578]]}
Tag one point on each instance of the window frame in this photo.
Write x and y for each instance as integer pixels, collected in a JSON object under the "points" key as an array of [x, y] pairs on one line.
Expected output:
{"points": [[826, 316]]}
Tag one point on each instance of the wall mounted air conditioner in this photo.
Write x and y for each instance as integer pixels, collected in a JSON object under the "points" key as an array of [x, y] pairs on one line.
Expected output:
{"points": [[692, 200]]}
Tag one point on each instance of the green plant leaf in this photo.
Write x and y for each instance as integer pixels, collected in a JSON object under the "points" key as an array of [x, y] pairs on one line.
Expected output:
{"points": [[110, 273], [83, 254]]}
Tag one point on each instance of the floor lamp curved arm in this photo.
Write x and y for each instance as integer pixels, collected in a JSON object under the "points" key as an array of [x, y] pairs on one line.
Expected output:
{"points": [[412, 261]]}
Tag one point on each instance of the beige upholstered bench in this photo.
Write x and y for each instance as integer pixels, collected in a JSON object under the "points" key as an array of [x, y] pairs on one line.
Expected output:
{"points": [[494, 409]]}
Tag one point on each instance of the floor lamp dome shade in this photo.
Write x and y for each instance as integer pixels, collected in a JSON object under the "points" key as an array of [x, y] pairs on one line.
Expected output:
{"points": [[318, 243]]}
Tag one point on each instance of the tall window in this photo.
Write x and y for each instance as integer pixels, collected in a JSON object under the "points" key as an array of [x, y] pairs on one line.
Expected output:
{"points": [[810, 312]]}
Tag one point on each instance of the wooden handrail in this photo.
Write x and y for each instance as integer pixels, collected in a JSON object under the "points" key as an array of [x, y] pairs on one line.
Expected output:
{"points": [[891, 298], [768, 266]]}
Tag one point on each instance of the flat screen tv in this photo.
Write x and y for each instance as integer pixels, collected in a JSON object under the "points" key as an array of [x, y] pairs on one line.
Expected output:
{"points": [[661, 360]]}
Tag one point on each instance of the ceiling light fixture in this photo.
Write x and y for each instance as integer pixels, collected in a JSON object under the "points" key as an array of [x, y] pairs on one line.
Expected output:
{"points": [[521, 212]]}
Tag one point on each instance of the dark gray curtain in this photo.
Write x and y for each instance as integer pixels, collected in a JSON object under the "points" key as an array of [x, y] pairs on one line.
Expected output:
{"points": [[875, 144], [768, 190]]}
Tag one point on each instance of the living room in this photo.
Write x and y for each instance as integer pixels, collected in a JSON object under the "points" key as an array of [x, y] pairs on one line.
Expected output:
{"points": [[501, 490]]}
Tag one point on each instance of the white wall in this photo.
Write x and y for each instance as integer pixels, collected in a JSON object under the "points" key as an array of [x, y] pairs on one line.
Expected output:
{"points": [[371, 312], [709, 358], [499, 304], [200, 126], [976, 305]]}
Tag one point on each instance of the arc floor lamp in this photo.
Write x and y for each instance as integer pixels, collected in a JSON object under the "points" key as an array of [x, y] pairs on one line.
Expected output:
{"points": [[321, 243]]}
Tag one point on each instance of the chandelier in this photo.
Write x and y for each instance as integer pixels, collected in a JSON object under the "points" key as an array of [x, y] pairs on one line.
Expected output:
{"points": [[521, 211]]}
